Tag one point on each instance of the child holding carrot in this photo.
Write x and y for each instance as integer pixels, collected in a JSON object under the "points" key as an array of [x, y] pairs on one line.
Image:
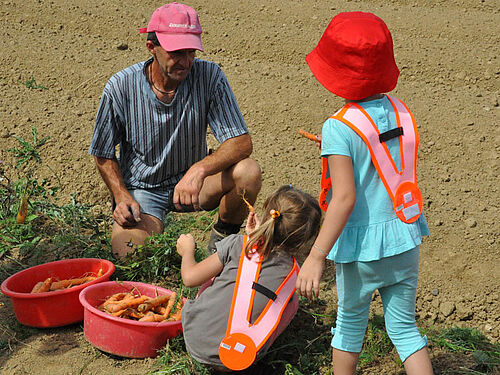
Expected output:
{"points": [[290, 222], [373, 224]]}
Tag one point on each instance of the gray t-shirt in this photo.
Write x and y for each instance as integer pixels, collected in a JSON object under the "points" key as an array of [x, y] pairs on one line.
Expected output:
{"points": [[204, 319]]}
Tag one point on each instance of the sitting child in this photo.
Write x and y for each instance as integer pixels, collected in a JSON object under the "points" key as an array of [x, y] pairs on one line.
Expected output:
{"points": [[248, 298]]}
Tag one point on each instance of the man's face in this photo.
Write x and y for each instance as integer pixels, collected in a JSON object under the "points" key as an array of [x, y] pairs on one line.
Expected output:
{"points": [[175, 65]]}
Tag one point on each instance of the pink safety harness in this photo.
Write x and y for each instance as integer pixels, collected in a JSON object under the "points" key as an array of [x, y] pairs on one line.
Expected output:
{"points": [[238, 349], [401, 185]]}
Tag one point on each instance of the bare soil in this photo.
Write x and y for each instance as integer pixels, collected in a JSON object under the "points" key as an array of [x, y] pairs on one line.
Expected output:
{"points": [[448, 55]]}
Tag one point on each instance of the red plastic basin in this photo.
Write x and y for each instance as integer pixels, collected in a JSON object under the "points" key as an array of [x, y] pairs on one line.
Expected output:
{"points": [[57, 308], [120, 336]]}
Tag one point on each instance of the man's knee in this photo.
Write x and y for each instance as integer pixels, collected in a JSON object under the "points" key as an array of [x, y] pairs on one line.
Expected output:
{"points": [[126, 240], [247, 173]]}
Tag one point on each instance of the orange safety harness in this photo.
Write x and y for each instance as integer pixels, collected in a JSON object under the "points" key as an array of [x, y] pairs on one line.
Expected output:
{"points": [[401, 185], [238, 349]]}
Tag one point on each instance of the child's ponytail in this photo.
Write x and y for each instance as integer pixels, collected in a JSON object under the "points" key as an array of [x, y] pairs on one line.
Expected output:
{"points": [[291, 219]]}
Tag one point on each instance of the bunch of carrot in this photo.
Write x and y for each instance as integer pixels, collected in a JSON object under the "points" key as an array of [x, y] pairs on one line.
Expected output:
{"points": [[134, 306], [50, 284]]}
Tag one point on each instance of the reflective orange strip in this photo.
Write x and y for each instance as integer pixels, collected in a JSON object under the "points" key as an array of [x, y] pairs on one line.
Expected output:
{"points": [[374, 161], [386, 149], [295, 268], [415, 131], [228, 330]]}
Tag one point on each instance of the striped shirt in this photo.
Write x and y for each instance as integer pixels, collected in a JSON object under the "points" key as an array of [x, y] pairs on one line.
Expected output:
{"points": [[159, 142]]}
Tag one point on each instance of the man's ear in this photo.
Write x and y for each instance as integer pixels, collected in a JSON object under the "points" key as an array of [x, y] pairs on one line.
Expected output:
{"points": [[151, 47]]}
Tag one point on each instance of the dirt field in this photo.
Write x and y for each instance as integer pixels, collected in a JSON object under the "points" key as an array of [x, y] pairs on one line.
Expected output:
{"points": [[448, 55]]}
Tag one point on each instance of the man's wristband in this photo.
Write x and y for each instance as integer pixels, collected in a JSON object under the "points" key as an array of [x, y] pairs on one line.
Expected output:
{"points": [[320, 250]]}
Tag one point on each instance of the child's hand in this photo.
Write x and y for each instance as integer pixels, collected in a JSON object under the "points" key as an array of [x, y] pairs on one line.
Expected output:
{"points": [[185, 242], [253, 222], [310, 275], [318, 140]]}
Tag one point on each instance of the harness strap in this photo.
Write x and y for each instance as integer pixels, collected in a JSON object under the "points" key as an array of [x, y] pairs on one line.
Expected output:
{"points": [[401, 185], [393, 133], [265, 291], [238, 349]]}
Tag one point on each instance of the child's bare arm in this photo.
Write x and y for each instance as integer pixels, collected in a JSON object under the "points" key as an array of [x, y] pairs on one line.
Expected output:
{"points": [[193, 273], [337, 214]]}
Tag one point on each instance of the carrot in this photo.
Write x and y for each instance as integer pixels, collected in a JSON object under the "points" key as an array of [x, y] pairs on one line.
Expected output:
{"points": [[176, 316], [119, 313], [308, 135], [159, 309], [63, 284], [23, 210], [37, 286], [133, 314], [115, 298], [152, 317], [45, 287], [128, 312], [250, 207], [121, 305], [153, 302], [178, 313], [170, 305]]}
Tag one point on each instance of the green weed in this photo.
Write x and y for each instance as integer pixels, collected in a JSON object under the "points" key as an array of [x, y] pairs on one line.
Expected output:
{"points": [[46, 223], [377, 343], [174, 360], [157, 257], [31, 84], [28, 150], [469, 340]]}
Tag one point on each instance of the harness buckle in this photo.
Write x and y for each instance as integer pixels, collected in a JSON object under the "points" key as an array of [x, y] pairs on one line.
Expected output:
{"points": [[408, 202], [237, 351]]}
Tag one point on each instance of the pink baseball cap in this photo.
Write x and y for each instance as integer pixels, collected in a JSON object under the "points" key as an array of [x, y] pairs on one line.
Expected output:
{"points": [[176, 26]]}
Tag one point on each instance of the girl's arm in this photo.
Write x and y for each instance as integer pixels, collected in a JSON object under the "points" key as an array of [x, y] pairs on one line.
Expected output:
{"points": [[337, 214], [193, 273]]}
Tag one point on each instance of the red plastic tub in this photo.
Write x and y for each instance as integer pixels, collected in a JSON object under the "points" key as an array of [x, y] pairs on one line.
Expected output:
{"points": [[120, 336], [57, 308]]}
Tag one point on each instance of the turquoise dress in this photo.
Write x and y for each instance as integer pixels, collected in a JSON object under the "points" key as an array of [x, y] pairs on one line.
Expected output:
{"points": [[373, 230]]}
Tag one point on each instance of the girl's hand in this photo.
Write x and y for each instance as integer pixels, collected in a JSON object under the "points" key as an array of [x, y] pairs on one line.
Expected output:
{"points": [[185, 242], [310, 275], [253, 223], [318, 141]]}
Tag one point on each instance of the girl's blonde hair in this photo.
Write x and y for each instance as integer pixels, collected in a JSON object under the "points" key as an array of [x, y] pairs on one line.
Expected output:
{"points": [[293, 226]]}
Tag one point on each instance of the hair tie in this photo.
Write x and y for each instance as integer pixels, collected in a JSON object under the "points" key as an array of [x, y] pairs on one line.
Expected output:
{"points": [[275, 214]]}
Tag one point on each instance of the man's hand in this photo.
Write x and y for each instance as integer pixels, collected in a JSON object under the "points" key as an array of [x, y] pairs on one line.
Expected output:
{"points": [[127, 213], [310, 275], [185, 242], [187, 190]]}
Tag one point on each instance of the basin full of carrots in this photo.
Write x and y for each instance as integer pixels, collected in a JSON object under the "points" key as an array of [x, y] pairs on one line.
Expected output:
{"points": [[47, 295], [130, 319]]}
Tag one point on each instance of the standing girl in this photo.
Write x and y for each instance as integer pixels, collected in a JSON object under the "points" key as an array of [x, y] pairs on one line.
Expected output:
{"points": [[373, 224], [248, 297]]}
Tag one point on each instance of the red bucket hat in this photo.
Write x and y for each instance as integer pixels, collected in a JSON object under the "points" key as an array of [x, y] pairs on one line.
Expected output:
{"points": [[354, 58], [176, 26]]}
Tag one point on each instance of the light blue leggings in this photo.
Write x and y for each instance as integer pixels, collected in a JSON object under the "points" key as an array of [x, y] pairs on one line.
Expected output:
{"points": [[396, 280]]}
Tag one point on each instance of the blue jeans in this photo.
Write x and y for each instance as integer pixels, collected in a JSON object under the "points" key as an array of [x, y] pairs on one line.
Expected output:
{"points": [[396, 280], [154, 202]]}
